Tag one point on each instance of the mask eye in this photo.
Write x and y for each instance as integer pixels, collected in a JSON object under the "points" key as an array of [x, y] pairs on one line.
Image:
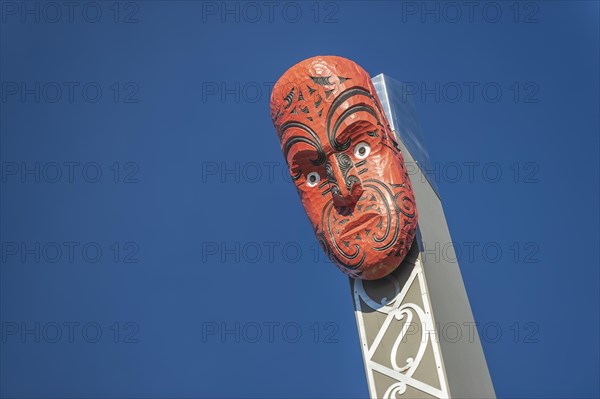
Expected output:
{"points": [[313, 179], [362, 150]]}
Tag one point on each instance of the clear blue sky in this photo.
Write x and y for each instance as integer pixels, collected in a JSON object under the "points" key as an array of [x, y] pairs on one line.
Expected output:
{"points": [[198, 251]]}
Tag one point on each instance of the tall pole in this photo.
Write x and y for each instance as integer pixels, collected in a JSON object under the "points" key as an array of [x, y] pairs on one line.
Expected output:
{"points": [[416, 328]]}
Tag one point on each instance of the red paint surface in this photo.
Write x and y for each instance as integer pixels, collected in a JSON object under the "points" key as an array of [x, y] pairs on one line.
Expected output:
{"points": [[330, 124]]}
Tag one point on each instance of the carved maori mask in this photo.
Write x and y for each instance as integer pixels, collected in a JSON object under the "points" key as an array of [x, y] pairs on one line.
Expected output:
{"points": [[346, 165]]}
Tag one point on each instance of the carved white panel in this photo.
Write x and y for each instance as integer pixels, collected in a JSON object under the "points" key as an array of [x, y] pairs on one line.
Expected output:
{"points": [[398, 336]]}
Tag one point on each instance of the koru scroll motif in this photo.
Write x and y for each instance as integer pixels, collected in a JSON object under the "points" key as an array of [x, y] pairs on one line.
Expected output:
{"points": [[400, 343], [346, 165]]}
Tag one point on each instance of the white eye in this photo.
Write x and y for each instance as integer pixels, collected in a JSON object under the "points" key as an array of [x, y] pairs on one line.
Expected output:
{"points": [[313, 179], [362, 150]]}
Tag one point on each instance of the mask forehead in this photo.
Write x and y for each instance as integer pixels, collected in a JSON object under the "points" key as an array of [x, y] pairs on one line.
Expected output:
{"points": [[315, 96]]}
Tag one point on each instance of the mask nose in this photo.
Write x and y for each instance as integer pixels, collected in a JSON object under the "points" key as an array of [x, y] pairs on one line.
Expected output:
{"points": [[346, 187]]}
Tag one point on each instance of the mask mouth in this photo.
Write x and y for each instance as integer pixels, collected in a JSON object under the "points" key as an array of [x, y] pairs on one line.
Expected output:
{"points": [[366, 221]]}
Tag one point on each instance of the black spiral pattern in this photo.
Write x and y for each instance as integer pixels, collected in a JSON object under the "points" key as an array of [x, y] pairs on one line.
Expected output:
{"points": [[384, 236], [345, 164]]}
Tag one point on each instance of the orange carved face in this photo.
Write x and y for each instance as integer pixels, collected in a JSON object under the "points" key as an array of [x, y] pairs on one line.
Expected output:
{"points": [[346, 165]]}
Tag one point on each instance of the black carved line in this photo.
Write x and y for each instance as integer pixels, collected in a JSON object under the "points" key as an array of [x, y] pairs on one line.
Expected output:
{"points": [[297, 139], [348, 256], [351, 181], [345, 164], [333, 183], [330, 254], [350, 111], [388, 211], [357, 90], [289, 98], [319, 100], [321, 80], [341, 99], [279, 113], [408, 211]]}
